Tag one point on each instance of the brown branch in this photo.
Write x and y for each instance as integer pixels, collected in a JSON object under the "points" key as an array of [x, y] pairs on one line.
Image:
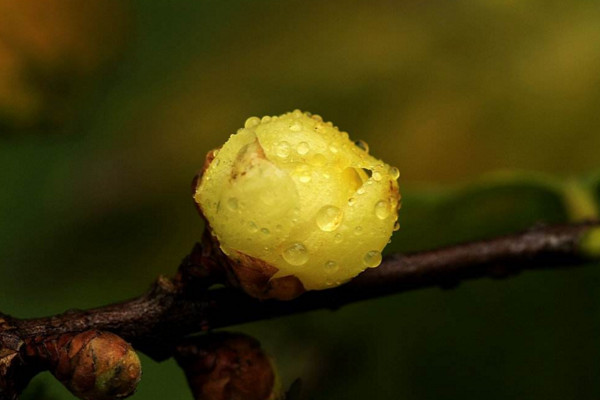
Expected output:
{"points": [[174, 308]]}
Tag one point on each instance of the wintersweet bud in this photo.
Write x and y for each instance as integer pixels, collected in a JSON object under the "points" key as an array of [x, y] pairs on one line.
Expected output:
{"points": [[95, 365], [295, 205], [228, 366]]}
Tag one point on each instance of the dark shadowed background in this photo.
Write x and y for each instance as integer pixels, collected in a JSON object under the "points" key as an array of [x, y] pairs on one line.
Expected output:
{"points": [[489, 108]]}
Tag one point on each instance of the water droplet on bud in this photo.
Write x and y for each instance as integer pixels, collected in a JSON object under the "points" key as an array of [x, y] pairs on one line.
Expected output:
{"points": [[329, 218], [372, 259], [295, 254], [252, 227], [282, 149], [331, 267], [319, 160], [305, 177], [251, 122], [304, 174], [232, 203], [382, 209], [303, 148]]}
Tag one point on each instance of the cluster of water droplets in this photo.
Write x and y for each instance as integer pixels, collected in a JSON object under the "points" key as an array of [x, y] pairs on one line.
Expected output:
{"points": [[284, 150], [304, 160]]}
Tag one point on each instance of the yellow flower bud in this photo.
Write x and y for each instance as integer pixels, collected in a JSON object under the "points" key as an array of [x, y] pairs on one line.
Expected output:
{"points": [[294, 197]]}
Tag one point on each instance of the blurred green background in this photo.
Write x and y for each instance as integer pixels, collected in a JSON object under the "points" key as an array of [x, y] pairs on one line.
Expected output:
{"points": [[489, 108]]}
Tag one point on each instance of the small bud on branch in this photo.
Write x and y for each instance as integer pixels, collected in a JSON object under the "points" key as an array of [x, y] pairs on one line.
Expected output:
{"points": [[93, 365], [227, 366]]}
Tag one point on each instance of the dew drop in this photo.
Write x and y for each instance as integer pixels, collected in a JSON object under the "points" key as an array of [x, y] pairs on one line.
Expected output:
{"points": [[317, 117], [252, 227], [331, 267], [232, 203], [265, 231], [264, 119], [361, 190], [351, 201], [305, 177], [338, 238], [396, 226], [296, 128], [376, 176], [295, 254], [303, 148], [329, 218], [361, 144], [358, 230], [394, 172], [282, 149], [303, 173], [372, 259], [333, 149], [319, 160], [251, 122], [382, 209]]}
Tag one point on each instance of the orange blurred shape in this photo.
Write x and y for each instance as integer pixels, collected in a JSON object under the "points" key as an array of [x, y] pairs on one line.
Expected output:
{"points": [[47, 48]]}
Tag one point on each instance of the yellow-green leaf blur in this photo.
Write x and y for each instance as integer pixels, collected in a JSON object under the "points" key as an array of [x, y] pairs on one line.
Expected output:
{"points": [[298, 194]]}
